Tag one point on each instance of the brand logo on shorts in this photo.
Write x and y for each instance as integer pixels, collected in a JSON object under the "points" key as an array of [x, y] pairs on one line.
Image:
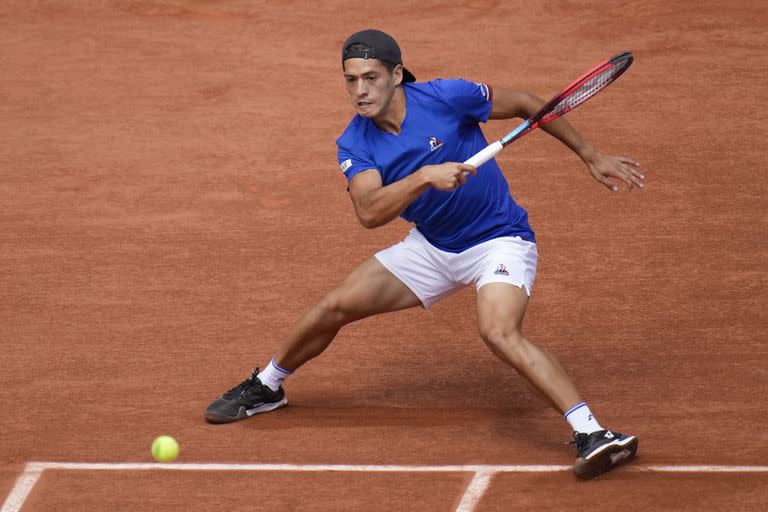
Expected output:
{"points": [[435, 144], [501, 270], [346, 164]]}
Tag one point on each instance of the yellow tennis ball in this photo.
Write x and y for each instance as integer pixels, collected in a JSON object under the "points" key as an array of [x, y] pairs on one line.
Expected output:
{"points": [[165, 449]]}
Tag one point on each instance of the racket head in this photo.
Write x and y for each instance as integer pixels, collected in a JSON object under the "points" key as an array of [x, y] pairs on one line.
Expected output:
{"points": [[582, 89]]}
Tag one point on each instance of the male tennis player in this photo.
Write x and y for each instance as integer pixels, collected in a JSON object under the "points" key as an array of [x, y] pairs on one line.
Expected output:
{"points": [[400, 155]]}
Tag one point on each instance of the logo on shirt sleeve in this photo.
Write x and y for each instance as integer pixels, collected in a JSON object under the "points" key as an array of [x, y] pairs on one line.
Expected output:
{"points": [[484, 90], [346, 164]]}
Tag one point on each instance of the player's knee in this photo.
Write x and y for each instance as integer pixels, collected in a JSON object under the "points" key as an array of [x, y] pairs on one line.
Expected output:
{"points": [[505, 340], [332, 310], [500, 334]]}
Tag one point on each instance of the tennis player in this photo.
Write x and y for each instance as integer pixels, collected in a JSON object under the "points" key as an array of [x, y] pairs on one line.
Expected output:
{"points": [[400, 155]]}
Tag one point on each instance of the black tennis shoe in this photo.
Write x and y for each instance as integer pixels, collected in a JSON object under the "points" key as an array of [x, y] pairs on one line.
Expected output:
{"points": [[601, 451], [244, 400]]}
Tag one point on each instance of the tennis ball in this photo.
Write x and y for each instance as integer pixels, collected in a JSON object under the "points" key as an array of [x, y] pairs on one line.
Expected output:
{"points": [[165, 449]]}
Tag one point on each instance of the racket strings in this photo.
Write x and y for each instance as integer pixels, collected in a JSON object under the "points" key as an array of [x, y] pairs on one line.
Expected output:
{"points": [[585, 91]]}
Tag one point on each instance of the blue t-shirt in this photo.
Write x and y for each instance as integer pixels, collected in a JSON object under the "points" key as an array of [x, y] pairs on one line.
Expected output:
{"points": [[440, 125]]}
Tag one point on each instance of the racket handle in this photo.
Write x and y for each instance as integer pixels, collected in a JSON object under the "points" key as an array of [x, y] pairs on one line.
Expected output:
{"points": [[485, 154]]}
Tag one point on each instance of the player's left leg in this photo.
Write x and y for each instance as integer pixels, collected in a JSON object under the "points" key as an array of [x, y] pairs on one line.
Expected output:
{"points": [[501, 308]]}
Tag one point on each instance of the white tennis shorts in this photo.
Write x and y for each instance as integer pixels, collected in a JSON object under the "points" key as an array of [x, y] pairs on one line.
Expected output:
{"points": [[433, 274]]}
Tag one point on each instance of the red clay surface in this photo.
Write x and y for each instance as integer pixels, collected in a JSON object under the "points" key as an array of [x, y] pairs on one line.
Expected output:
{"points": [[262, 491], [170, 202], [629, 492]]}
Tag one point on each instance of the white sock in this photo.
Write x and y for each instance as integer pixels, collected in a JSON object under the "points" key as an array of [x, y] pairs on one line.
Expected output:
{"points": [[273, 376], [581, 420]]}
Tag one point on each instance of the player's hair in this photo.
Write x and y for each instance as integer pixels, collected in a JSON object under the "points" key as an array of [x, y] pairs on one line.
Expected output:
{"points": [[362, 47]]}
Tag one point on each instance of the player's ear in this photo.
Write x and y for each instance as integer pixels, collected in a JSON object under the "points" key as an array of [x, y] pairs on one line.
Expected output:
{"points": [[397, 73]]}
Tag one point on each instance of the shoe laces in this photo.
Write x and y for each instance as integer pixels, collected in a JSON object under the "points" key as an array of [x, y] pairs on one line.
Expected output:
{"points": [[581, 440], [242, 388]]}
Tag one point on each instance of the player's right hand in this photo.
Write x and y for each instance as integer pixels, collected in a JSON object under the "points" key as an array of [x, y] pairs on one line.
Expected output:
{"points": [[447, 176]]}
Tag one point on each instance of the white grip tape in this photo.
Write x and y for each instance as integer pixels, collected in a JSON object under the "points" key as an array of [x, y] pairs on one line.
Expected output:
{"points": [[486, 154]]}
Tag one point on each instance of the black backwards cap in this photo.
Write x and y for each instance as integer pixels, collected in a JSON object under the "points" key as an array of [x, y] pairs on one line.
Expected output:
{"points": [[382, 47]]}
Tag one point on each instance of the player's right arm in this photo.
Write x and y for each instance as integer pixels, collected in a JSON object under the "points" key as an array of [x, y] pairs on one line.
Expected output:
{"points": [[376, 204]]}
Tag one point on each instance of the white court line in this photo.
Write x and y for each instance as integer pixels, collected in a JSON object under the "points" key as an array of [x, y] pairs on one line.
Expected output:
{"points": [[703, 469], [472, 495], [475, 491], [21, 490], [377, 468]]}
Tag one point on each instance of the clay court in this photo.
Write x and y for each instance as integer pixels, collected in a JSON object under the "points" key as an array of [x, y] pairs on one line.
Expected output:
{"points": [[170, 202]]}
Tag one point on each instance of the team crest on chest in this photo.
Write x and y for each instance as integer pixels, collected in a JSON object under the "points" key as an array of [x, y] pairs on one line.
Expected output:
{"points": [[435, 144]]}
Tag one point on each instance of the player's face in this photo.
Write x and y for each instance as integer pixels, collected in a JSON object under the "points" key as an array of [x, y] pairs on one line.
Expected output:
{"points": [[370, 85]]}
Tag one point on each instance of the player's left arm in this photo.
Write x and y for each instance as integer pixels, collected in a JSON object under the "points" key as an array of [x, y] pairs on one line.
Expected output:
{"points": [[507, 104]]}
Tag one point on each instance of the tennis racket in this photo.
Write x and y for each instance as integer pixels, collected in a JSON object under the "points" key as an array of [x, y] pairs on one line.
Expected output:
{"points": [[578, 92]]}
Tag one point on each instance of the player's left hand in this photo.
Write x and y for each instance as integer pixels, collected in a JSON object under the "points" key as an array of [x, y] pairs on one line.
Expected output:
{"points": [[623, 168]]}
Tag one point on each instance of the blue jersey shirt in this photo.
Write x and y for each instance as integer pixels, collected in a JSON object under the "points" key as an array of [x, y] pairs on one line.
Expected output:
{"points": [[440, 125]]}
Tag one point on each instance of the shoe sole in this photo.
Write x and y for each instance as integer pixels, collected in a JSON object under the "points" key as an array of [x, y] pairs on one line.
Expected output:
{"points": [[267, 407], [213, 417], [605, 458]]}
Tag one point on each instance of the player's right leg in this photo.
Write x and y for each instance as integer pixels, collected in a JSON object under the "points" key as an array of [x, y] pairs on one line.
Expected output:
{"points": [[369, 290]]}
